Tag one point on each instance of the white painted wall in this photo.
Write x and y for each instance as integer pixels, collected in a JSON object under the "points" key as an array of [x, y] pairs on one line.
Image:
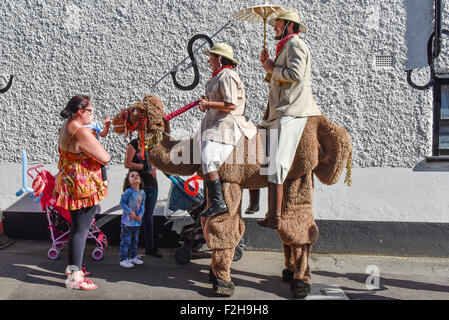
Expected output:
{"points": [[376, 194], [118, 51]]}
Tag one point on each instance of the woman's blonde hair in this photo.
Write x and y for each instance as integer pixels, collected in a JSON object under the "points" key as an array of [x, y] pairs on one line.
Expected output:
{"points": [[126, 184]]}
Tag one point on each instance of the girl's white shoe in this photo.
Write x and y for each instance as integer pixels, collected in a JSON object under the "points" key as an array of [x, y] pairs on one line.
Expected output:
{"points": [[126, 264], [136, 260]]}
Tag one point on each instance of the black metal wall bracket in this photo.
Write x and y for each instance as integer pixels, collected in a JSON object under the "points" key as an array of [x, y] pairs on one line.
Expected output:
{"points": [[196, 80], [433, 48], [8, 85]]}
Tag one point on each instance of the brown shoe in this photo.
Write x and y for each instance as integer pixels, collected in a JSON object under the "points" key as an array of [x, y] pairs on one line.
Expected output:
{"points": [[223, 288], [299, 288], [273, 216], [254, 196], [287, 275]]}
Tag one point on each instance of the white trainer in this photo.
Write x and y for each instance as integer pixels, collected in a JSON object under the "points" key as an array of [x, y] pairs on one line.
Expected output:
{"points": [[126, 264], [136, 260]]}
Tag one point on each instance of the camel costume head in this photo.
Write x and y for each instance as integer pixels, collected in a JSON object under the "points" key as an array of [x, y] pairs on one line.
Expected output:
{"points": [[324, 151], [146, 117]]}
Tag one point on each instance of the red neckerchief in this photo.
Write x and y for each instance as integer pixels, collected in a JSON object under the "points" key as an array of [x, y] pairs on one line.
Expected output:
{"points": [[218, 71], [282, 43]]}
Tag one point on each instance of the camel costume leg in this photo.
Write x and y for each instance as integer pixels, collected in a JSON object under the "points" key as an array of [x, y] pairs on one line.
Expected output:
{"points": [[298, 232], [221, 263], [301, 255], [222, 233], [289, 261]]}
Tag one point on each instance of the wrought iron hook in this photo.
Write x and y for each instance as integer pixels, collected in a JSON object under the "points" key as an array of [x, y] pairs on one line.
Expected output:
{"points": [[430, 58], [194, 65], [8, 85]]}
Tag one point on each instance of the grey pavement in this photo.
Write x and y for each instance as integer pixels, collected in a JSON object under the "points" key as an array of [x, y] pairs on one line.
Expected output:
{"points": [[27, 274]]}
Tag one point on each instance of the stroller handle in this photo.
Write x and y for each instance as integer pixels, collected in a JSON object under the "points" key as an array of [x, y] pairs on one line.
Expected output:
{"points": [[34, 168]]}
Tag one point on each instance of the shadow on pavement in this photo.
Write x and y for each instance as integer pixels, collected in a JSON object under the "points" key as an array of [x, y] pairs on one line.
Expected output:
{"points": [[367, 294], [115, 282]]}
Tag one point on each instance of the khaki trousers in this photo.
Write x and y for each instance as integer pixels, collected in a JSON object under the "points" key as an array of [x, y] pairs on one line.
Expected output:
{"points": [[283, 137]]}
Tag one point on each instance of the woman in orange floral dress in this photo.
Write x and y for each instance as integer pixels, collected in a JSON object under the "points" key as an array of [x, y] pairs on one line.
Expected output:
{"points": [[79, 186]]}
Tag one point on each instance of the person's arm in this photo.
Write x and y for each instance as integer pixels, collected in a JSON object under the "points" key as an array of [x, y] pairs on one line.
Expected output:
{"points": [[229, 91], [129, 155], [107, 124], [124, 202], [88, 144], [104, 132], [142, 205], [220, 106], [296, 65], [267, 63], [124, 205], [153, 171]]}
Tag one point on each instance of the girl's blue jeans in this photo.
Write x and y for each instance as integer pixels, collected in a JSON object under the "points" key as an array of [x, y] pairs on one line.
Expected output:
{"points": [[129, 239]]}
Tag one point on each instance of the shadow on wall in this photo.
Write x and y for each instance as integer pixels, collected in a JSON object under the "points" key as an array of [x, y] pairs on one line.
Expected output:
{"points": [[419, 27]]}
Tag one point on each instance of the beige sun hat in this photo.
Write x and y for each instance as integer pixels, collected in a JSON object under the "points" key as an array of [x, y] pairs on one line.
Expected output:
{"points": [[289, 15], [221, 49]]}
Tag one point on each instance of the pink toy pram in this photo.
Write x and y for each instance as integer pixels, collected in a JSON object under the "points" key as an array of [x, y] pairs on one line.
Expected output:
{"points": [[59, 220]]}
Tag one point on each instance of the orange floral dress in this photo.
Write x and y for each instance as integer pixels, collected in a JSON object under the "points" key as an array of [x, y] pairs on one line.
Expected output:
{"points": [[78, 183]]}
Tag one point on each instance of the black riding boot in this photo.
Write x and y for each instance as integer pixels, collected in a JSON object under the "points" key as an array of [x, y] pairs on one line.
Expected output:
{"points": [[254, 196], [218, 205]]}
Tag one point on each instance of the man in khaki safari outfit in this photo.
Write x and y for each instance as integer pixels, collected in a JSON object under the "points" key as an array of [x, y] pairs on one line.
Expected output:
{"points": [[290, 103]]}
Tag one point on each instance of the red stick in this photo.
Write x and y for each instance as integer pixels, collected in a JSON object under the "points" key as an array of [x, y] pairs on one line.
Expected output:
{"points": [[175, 113]]}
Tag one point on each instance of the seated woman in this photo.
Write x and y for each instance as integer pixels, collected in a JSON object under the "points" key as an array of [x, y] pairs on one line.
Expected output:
{"points": [[223, 125]]}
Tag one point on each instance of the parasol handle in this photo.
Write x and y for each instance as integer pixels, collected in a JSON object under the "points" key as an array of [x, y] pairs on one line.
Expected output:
{"points": [[264, 32]]}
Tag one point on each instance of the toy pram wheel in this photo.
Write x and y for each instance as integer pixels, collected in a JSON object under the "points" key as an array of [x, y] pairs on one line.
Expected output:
{"points": [[238, 253], [53, 253], [183, 255], [97, 254]]}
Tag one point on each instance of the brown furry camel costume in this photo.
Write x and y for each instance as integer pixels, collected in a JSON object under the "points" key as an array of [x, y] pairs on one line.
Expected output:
{"points": [[324, 150]]}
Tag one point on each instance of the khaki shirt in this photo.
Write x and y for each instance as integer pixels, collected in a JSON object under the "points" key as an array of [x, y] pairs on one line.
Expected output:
{"points": [[290, 84], [219, 126]]}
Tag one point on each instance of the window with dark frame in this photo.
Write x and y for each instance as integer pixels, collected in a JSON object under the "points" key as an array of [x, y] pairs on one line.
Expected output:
{"points": [[441, 116]]}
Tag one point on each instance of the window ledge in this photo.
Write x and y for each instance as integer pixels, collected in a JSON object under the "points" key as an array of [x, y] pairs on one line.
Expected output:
{"points": [[433, 163], [437, 159]]}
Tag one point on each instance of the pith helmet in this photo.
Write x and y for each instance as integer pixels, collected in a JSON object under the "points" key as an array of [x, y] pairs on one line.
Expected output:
{"points": [[289, 15], [221, 49]]}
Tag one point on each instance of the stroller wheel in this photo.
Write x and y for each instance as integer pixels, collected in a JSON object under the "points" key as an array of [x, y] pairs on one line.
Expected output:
{"points": [[183, 255], [53, 253], [97, 254], [238, 253]]}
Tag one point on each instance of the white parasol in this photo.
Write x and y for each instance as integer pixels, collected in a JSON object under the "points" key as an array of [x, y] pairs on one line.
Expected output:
{"points": [[259, 14]]}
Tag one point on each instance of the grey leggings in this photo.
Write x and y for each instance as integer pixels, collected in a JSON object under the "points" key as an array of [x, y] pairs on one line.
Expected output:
{"points": [[81, 221]]}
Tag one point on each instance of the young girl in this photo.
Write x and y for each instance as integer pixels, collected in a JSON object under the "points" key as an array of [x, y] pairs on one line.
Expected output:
{"points": [[133, 205]]}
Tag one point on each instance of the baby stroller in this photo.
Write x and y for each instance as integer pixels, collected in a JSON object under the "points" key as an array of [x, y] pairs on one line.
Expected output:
{"points": [[191, 237], [59, 220]]}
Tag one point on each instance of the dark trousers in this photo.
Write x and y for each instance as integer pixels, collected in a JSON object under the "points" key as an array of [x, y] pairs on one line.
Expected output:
{"points": [[148, 226], [81, 222]]}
